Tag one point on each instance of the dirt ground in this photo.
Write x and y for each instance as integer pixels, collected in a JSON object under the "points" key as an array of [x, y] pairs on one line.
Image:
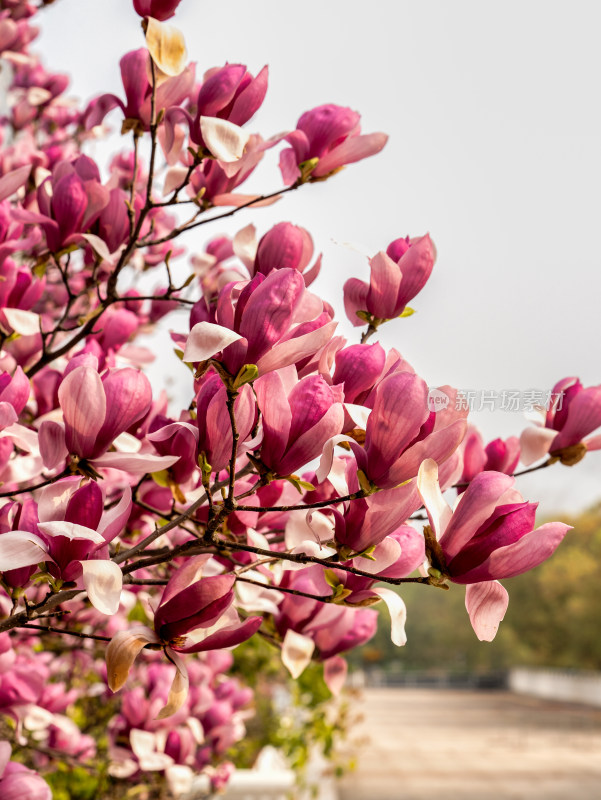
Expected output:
{"points": [[465, 745]]}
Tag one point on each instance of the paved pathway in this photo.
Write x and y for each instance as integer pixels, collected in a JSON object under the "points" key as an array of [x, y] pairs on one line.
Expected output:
{"points": [[464, 745]]}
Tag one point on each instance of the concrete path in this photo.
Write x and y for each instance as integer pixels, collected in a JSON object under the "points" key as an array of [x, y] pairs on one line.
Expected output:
{"points": [[464, 745]]}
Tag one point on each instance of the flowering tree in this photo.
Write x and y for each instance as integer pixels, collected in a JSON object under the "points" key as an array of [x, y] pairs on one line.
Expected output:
{"points": [[283, 496]]}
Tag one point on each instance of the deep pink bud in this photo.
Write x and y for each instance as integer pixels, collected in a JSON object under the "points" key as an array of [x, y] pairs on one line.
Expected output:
{"points": [[287, 246], [158, 9]]}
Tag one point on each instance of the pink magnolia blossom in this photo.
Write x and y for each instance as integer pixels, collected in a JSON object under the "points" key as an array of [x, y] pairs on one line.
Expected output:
{"points": [[96, 410], [298, 418], [191, 604], [287, 246], [214, 425], [138, 90], [500, 455], [563, 432], [276, 323], [326, 138], [401, 431], [69, 202], [17, 782], [396, 277], [488, 536]]}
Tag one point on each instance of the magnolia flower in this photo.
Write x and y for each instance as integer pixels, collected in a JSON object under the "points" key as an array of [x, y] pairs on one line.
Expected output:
{"points": [[561, 430], [96, 411], [489, 535], [326, 138], [396, 277], [191, 604]]}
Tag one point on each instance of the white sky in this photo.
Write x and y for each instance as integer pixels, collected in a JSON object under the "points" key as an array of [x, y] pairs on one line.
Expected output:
{"points": [[495, 128]]}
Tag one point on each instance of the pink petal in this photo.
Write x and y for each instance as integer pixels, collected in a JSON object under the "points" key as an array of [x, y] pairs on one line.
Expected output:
{"points": [[295, 349], [113, 521], [355, 299], [352, 149], [521, 556], [52, 443], [584, 416], [277, 416], [383, 286], [486, 604], [11, 181], [475, 507], [82, 399], [128, 397]]}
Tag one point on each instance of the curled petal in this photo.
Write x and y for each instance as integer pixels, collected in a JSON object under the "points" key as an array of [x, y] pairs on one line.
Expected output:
{"points": [[167, 47], [12, 181], [179, 687], [122, 651], [428, 487], [225, 140], [207, 339], [103, 581], [71, 530], [398, 615], [296, 652], [486, 603]]}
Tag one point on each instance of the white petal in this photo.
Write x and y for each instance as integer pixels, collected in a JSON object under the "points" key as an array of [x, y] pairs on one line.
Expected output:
{"points": [[136, 464], [224, 140], [71, 530], [98, 245], [428, 487], [359, 414], [296, 652], [21, 549], [103, 581], [27, 323], [398, 615], [327, 456], [206, 339], [143, 744], [245, 245], [179, 688]]}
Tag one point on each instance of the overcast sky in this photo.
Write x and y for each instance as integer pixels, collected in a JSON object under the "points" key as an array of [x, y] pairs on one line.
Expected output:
{"points": [[495, 128]]}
